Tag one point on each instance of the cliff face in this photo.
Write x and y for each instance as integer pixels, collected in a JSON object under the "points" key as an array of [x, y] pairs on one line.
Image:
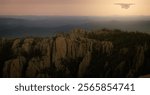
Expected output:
{"points": [[76, 54]]}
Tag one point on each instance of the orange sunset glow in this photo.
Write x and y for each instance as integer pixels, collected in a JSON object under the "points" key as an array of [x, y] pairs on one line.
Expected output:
{"points": [[73, 7]]}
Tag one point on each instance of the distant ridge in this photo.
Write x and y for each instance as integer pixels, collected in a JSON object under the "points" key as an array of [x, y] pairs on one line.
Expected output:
{"points": [[16, 26]]}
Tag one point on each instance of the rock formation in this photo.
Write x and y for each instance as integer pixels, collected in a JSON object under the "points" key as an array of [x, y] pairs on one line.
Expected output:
{"points": [[77, 54]]}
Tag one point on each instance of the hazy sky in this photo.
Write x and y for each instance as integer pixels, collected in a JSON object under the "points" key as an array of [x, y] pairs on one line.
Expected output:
{"points": [[73, 7]]}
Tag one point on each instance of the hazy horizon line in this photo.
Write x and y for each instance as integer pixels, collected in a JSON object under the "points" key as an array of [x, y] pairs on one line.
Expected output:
{"points": [[83, 15]]}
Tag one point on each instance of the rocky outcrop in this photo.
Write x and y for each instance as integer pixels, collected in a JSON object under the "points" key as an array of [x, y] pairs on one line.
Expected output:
{"points": [[16, 47], [14, 67], [27, 45], [138, 61], [104, 47], [78, 34], [84, 65], [38, 66], [76, 54]]}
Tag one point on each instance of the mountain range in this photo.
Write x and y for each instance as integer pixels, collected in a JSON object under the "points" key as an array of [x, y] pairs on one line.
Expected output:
{"points": [[43, 26]]}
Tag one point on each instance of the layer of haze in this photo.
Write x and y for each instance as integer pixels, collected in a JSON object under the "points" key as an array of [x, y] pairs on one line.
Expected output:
{"points": [[73, 7]]}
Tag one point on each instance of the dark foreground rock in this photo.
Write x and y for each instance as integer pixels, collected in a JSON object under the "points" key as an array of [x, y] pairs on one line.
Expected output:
{"points": [[103, 53]]}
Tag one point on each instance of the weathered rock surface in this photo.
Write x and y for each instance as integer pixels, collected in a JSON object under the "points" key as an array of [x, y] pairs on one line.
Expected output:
{"points": [[76, 54], [85, 65], [37, 66], [14, 67]]}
